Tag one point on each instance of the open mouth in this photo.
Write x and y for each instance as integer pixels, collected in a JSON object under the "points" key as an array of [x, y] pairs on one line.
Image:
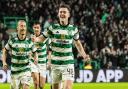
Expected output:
{"points": [[22, 29], [22, 34], [62, 16], [36, 31]]}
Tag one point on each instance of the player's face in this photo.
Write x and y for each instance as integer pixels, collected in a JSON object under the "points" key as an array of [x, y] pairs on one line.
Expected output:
{"points": [[63, 14], [22, 28], [37, 29]]}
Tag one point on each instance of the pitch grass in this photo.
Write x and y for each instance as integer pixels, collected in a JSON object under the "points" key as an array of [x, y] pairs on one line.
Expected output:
{"points": [[84, 86]]}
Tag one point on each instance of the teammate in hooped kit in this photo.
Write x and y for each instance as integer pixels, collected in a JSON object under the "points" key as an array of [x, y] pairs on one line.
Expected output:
{"points": [[39, 71], [21, 47]]}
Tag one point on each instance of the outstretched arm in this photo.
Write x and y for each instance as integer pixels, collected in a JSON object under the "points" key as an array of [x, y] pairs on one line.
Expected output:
{"points": [[81, 50]]}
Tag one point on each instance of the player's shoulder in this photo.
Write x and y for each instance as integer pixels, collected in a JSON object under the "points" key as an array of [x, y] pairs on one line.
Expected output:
{"points": [[13, 37], [28, 39], [72, 27], [55, 25]]}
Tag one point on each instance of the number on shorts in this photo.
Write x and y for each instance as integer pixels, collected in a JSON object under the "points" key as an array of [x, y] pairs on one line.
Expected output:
{"points": [[70, 71]]}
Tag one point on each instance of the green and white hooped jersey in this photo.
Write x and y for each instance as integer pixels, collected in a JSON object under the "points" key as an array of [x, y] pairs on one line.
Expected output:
{"points": [[42, 51], [20, 54], [61, 43]]}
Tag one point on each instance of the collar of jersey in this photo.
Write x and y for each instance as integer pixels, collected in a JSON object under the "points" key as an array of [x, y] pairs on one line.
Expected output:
{"points": [[20, 39], [38, 35], [64, 25]]}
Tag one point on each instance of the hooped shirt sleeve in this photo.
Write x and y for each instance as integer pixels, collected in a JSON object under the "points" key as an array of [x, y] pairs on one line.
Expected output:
{"points": [[47, 32], [76, 34], [8, 46], [34, 49]]}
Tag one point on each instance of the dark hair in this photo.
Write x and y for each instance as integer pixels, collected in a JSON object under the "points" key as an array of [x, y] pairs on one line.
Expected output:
{"points": [[62, 5], [36, 22]]}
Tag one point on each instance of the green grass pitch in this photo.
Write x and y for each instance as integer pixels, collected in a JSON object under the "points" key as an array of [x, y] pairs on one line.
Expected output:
{"points": [[84, 86]]}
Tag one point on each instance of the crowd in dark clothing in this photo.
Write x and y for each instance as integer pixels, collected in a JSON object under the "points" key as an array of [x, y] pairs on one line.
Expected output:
{"points": [[103, 25]]}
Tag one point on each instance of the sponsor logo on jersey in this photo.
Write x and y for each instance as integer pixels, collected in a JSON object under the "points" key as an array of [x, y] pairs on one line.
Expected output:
{"points": [[62, 41]]}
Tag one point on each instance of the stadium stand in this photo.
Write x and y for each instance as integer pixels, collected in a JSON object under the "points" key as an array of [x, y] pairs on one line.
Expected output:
{"points": [[103, 26]]}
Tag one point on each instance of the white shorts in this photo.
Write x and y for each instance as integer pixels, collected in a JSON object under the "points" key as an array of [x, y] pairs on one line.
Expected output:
{"points": [[20, 79], [39, 68], [62, 72]]}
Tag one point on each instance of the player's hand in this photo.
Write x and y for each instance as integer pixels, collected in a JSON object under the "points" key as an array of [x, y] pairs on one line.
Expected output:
{"points": [[33, 38], [5, 66], [86, 58]]}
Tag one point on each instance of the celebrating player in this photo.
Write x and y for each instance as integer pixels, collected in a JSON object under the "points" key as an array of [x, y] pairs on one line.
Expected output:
{"points": [[62, 36], [20, 47], [39, 70]]}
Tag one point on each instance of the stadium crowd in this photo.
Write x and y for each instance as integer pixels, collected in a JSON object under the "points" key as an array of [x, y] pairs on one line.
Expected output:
{"points": [[103, 26]]}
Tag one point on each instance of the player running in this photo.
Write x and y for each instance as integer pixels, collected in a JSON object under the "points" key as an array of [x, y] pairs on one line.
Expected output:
{"points": [[62, 36], [39, 71], [20, 47]]}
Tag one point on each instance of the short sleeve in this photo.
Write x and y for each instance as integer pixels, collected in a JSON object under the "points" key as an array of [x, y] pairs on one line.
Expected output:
{"points": [[76, 34], [47, 32], [8, 46], [33, 47]]}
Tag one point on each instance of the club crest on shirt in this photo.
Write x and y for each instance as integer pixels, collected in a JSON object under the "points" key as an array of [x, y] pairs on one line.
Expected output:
{"points": [[21, 50]]}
